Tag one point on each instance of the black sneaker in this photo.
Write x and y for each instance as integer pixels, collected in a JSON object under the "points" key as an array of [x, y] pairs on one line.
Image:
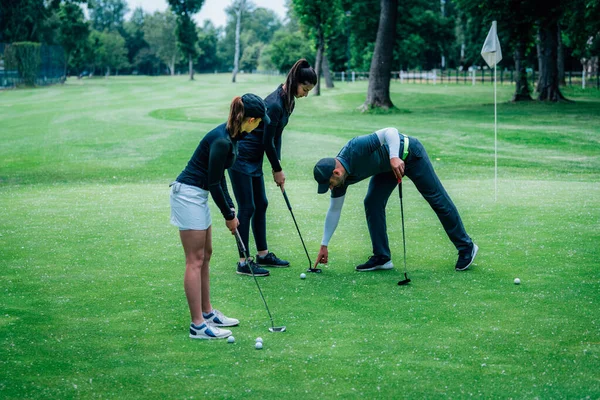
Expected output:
{"points": [[375, 262], [271, 260], [245, 269], [466, 257]]}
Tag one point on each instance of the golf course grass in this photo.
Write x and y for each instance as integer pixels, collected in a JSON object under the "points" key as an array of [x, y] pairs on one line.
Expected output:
{"points": [[91, 271]]}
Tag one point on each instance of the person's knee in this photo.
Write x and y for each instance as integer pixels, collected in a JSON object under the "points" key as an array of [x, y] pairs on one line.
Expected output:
{"points": [[195, 263], [246, 211], [207, 253], [262, 205]]}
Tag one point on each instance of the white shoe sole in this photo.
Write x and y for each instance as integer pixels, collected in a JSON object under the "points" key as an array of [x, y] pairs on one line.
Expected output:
{"points": [[208, 337], [387, 265], [473, 254]]}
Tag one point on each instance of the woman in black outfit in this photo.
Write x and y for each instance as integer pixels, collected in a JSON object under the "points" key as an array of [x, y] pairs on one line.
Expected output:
{"points": [[246, 174], [190, 212]]}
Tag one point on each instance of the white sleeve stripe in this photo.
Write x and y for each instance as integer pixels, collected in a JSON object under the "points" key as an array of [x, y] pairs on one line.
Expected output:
{"points": [[391, 137]]}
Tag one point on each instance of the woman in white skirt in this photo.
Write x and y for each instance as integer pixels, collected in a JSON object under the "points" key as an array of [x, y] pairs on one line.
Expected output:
{"points": [[190, 212]]}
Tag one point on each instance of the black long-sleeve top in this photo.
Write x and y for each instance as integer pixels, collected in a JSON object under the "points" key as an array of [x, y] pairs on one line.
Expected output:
{"points": [[206, 169], [264, 139]]}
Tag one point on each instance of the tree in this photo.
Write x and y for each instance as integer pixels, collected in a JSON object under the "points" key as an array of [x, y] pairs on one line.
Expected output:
{"points": [[516, 27], [186, 29], [208, 37], [378, 94], [239, 8], [109, 51], [258, 27], [318, 17], [107, 14], [23, 20], [133, 33], [548, 84], [160, 33], [73, 30], [582, 30], [286, 48]]}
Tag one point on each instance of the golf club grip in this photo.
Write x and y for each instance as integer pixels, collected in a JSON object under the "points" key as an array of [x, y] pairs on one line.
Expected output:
{"points": [[287, 201], [400, 187]]}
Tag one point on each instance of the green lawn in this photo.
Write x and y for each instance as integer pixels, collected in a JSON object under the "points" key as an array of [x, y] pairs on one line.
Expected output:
{"points": [[91, 271]]}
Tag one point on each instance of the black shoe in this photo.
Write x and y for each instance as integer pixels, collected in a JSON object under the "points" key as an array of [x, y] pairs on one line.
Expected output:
{"points": [[376, 262], [271, 260], [245, 269], [466, 257]]}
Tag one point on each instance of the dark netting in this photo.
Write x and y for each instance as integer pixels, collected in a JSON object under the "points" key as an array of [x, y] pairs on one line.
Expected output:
{"points": [[51, 70]]}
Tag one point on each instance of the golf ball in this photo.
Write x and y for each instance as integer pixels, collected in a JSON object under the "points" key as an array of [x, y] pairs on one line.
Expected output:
{"points": [[303, 276], [230, 339], [258, 339], [258, 345], [517, 281]]}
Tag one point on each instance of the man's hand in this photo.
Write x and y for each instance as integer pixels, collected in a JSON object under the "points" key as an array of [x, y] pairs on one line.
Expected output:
{"points": [[232, 224], [398, 167], [322, 257], [279, 178]]}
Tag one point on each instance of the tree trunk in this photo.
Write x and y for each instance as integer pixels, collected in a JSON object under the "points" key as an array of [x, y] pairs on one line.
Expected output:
{"points": [[236, 57], [560, 60], [521, 85], [327, 72], [378, 94], [191, 67], [67, 59], [538, 45], [548, 83], [172, 65], [319, 61]]}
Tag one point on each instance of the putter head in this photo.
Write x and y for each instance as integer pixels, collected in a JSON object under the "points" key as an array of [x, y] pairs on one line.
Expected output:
{"points": [[314, 270], [404, 281], [277, 329]]}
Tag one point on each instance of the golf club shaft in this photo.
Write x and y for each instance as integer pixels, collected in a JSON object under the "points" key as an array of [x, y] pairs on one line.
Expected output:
{"points": [[298, 229], [245, 251]]}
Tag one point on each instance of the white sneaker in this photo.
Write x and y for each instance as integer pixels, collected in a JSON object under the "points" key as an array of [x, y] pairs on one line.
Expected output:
{"points": [[206, 331], [216, 318]]}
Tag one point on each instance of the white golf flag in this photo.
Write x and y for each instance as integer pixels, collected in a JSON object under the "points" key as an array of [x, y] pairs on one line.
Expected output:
{"points": [[491, 51]]}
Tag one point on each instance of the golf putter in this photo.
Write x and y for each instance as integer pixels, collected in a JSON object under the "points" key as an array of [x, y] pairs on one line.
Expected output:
{"points": [[406, 279], [289, 206], [243, 250]]}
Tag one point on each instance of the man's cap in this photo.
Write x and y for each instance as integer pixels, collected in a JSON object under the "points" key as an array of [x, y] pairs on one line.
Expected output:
{"points": [[255, 107], [323, 170]]}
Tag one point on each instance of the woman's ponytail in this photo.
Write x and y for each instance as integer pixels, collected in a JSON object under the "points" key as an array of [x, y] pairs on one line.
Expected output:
{"points": [[236, 117]]}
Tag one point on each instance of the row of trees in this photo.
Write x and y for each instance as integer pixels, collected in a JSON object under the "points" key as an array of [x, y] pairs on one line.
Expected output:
{"points": [[374, 35]]}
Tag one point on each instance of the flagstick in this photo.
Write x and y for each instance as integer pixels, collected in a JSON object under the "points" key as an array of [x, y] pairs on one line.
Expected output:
{"points": [[495, 136]]}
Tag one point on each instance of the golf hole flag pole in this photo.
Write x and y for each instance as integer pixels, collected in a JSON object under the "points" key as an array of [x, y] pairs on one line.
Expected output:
{"points": [[492, 54]]}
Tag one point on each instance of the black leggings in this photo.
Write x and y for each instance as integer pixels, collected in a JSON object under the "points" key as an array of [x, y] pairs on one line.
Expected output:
{"points": [[252, 204]]}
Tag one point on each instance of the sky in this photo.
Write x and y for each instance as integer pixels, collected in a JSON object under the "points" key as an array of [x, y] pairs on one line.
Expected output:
{"points": [[213, 10]]}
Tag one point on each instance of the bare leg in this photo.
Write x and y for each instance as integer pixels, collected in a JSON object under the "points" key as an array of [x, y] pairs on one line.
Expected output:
{"points": [[194, 243], [206, 306]]}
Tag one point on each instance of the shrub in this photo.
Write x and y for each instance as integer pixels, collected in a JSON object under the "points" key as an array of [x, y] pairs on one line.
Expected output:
{"points": [[25, 58]]}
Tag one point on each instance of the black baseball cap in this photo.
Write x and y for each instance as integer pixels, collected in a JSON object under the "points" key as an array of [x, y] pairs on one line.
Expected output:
{"points": [[323, 170], [255, 107]]}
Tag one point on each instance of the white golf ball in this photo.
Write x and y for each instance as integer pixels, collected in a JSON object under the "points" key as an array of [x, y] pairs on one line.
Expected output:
{"points": [[259, 339], [258, 345], [517, 281], [230, 339], [303, 276]]}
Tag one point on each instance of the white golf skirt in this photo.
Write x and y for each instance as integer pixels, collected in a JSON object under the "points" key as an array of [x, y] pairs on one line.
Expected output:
{"points": [[189, 207]]}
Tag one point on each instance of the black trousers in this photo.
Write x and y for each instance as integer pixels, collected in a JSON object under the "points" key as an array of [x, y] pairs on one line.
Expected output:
{"points": [[419, 169], [252, 202]]}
